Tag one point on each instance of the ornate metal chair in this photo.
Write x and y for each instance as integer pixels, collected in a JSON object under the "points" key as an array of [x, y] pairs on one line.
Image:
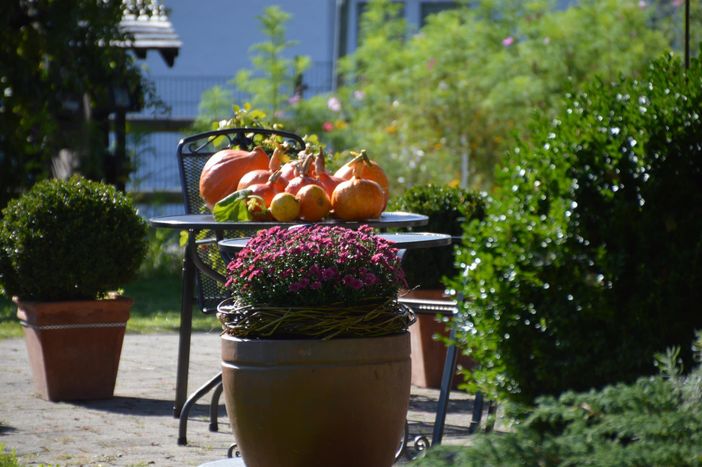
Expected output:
{"points": [[193, 153], [202, 251]]}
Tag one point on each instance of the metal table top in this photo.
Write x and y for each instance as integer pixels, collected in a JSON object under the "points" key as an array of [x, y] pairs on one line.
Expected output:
{"points": [[404, 241], [206, 221]]}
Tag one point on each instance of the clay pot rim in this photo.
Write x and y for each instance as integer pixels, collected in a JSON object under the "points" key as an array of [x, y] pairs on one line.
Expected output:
{"points": [[111, 297]]}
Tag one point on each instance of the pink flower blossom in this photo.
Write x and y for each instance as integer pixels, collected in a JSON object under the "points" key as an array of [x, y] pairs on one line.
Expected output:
{"points": [[327, 126], [507, 41], [352, 282], [328, 274], [294, 99], [370, 279], [334, 104], [314, 265]]}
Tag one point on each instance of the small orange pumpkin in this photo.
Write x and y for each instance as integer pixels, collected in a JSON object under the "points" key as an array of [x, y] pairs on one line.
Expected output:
{"points": [[303, 178], [291, 169], [314, 203], [268, 189], [223, 170], [358, 199], [261, 176], [369, 170]]}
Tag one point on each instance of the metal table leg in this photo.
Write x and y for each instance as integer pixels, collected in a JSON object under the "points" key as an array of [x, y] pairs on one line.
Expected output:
{"points": [[446, 380], [186, 325], [204, 389]]}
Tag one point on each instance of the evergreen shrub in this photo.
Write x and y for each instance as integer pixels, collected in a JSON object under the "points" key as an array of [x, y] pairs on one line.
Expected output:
{"points": [[447, 208], [590, 258], [69, 240], [655, 421]]}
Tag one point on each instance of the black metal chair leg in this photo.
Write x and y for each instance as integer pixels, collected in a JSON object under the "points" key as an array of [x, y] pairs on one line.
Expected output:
{"points": [[477, 413], [186, 326], [491, 414], [204, 389], [214, 406]]}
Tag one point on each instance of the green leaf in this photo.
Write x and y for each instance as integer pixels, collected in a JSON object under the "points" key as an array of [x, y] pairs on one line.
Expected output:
{"points": [[232, 207]]}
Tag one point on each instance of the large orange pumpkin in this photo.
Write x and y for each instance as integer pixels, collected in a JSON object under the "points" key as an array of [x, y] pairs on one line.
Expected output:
{"points": [[368, 170], [221, 174], [358, 199]]}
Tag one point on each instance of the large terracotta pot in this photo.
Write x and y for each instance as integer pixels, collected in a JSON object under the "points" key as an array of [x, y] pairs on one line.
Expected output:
{"points": [[74, 347], [340, 402], [428, 353]]}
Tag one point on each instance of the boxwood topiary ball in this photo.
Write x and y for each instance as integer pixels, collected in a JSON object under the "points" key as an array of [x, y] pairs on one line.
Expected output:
{"points": [[448, 208], [69, 240]]}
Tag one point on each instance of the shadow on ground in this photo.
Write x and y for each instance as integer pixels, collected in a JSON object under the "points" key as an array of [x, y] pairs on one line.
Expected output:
{"points": [[142, 406], [420, 403]]}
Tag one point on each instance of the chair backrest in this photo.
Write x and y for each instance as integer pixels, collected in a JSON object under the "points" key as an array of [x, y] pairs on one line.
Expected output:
{"points": [[193, 152]]}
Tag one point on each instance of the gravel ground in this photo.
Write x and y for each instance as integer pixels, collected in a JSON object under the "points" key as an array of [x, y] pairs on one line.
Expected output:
{"points": [[136, 427]]}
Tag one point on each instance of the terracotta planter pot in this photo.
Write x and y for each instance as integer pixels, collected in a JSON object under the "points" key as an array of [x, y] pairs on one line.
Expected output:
{"points": [[74, 347], [428, 354], [340, 402]]}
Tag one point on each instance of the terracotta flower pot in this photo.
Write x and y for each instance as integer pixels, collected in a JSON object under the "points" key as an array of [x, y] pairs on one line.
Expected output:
{"points": [[74, 347], [429, 354], [340, 402]]}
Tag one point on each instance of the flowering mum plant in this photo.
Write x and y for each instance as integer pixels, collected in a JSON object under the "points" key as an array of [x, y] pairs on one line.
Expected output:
{"points": [[315, 265], [315, 280]]}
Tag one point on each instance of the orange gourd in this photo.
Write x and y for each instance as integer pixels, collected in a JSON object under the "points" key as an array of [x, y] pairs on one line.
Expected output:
{"points": [[314, 203], [289, 171], [303, 178], [326, 180], [268, 189], [358, 198], [222, 172], [261, 176], [368, 169]]}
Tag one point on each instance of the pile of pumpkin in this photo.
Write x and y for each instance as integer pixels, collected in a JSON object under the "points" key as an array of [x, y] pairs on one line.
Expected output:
{"points": [[248, 185]]}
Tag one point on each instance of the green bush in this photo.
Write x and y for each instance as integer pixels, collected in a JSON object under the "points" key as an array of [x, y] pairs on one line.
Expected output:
{"points": [[447, 208], [441, 105], [590, 259], [8, 459], [655, 421], [163, 255], [64, 240]]}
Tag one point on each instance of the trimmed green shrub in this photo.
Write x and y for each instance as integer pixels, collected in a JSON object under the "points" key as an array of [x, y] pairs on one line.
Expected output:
{"points": [[65, 240], [590, 259], [447, 208], [655, 421]]}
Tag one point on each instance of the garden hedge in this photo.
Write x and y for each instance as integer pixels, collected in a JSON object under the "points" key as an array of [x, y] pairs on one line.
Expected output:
{"points": [[590, 258]]}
